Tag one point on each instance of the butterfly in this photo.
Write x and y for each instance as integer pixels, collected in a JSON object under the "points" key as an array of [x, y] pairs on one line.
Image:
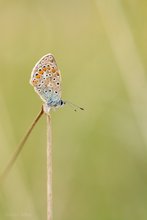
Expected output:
{"points": [[46, 80]]}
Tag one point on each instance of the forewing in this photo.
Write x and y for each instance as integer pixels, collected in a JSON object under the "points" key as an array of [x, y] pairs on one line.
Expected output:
{"points": [[46, 79]]}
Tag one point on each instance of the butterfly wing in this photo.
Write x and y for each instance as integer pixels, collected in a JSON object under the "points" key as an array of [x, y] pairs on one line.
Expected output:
{"points": [[46, 80]]}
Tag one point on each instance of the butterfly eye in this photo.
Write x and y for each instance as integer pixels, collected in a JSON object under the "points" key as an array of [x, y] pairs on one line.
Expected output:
{"points": [[58, 83], [49, 90], [54, 79], [45, 91], [55, 92], [39, 90]]}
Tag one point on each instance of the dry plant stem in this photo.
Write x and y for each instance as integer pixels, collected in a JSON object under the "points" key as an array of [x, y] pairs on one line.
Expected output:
{"points": [[20, 146], [49, 169]]}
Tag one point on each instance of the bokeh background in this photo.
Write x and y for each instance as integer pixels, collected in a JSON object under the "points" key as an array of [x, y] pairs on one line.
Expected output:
{"points": [[99, 155]]}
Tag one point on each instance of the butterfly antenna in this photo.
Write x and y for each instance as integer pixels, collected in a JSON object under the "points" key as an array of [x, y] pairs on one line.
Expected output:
{"points": [[73, 105]]}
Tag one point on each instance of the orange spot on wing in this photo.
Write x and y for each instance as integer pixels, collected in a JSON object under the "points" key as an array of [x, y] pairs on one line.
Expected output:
{"points": [[38, 76], [34, 82], [41, 71], [48, 67], [53, 70], [44, 68]]}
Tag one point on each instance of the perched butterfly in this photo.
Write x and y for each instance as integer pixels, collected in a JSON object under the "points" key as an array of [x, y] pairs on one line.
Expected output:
{"points": [[46, 80]]}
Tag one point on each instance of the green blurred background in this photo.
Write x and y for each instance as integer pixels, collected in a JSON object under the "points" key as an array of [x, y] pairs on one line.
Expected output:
{"points": [[99, 155]]}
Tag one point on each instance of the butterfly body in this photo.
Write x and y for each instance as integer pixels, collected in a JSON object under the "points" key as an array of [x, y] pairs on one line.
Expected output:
{"points": [[46, 80]]}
